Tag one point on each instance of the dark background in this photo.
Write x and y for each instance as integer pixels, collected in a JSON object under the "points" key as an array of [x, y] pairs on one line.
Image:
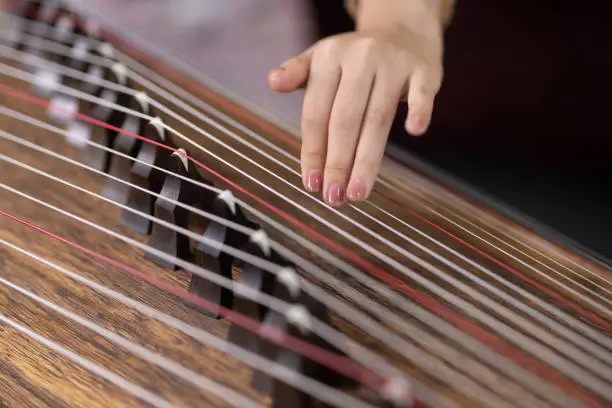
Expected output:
{"points": [[524, 113]]}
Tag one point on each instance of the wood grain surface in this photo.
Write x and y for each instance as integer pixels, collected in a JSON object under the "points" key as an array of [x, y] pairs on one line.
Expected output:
{"points": [[465, 247]]}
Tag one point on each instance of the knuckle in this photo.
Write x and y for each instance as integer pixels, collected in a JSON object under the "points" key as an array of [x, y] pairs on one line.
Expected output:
{"points": [[337, 167], [313, 156], [311, 123], [338, 164], [369, 47], [429, 90], [367, 165], [406, 60], [337, 171], [312, 152], [378, 117], [327, 49], [341, 125]]}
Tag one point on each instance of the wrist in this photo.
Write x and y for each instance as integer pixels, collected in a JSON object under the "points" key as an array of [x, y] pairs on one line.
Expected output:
{"points": [[423, 16]]}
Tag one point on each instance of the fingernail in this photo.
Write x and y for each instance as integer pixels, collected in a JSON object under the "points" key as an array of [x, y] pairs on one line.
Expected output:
{"points": [[357, 190], [313, 181], [275, 73], [335, 195], [418, 125]]}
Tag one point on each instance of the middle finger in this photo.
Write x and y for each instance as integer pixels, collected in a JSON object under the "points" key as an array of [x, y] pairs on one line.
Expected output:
{"points": [[344, 129]]}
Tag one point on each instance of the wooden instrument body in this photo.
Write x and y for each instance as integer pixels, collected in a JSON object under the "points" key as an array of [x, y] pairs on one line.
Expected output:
{"points": [[417, 214]]}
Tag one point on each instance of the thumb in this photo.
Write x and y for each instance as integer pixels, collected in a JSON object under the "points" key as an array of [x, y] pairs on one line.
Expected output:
{"points": [[292, 74]]}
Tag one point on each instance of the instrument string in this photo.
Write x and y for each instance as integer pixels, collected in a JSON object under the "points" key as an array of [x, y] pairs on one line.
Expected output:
{"points": [[412, 257], [118, 130], [138, 350], [71, 72], [569, 320], [527, 265], [272, 368], [514, 336], [317, 354], [203, 105], [589, 362], [405, 349], [418, 335], [404, 251], [141, 393], [262, 298], [508, 267], [185, 95]]}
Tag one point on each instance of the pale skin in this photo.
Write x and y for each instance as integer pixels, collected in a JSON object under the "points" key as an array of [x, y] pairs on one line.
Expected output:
{"points": [[353, 84]]}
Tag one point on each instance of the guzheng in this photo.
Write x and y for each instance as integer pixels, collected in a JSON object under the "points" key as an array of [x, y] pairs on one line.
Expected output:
{"points": [[157, 249]]}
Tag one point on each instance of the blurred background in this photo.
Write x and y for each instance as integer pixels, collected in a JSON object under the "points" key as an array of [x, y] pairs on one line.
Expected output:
{"points": [[234, 42]]}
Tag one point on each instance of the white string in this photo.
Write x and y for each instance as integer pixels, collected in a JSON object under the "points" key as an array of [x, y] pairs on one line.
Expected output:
{"points": [[120, 88], [108, 375], [206, 384], [560, 274], [271, 368], [558, 313], [330, 334], [498, 230], [384, 257], [539, 253], [399, 249], [196, 101], [392, 262], [575, 354], [136, 66], [265, 300], [431, 363], [506, 330], [426, 317]]}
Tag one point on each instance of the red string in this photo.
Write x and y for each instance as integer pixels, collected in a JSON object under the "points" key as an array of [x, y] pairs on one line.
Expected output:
{"points": [[593, 317], [584, 313], [315, 353], [568, 303], [426, 300]]}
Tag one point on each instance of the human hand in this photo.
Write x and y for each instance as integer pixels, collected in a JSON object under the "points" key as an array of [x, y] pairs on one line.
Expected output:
{"points": [[353, 85]]}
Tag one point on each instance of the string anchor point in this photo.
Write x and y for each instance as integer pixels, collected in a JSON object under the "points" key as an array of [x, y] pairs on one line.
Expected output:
{"points": [[158, 123], [290, 278], [228, 198], [262, 239], [182, 154], [299, 316], [121, 71], [106, 50], [398, 391], [143, 99]]}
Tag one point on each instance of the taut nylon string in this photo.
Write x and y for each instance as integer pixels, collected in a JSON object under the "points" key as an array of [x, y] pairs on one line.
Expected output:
{"points": [[506, 366], [64, 50], [586, 347]]}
